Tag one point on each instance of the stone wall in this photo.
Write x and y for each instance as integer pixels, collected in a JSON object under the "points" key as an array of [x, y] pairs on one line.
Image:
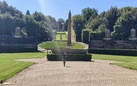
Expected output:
{"points": [[113, 44], [12, 44]]}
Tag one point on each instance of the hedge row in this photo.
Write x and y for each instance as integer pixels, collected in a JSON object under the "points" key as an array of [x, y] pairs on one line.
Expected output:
{"points": [[70, 57], [85, 36], [114, 52], [12, 49], [69, 51]]}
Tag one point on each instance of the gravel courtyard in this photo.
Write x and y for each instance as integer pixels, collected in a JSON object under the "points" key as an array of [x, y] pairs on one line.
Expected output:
{"points": [[76, 73]]}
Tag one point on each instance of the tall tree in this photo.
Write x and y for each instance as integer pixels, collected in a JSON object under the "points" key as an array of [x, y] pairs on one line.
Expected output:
{"points": [[125, 22], [66, 25], [28, 12], [51, 22], [7, 24], [60, 23], [111, 17], [78, 25], [89, 13], [38, 16]]}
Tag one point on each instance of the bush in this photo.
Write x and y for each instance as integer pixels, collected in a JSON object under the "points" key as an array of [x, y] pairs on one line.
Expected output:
{"points": [[70, 57], [114, 52]]}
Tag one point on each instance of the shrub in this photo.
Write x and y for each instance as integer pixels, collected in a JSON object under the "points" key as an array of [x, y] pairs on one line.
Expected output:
{"points": [[70, 57]]}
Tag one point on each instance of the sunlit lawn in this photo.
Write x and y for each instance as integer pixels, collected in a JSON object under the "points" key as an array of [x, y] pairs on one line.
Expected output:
{"points": [[55, 44], [129, 62], [64, 37], [9, 67]]}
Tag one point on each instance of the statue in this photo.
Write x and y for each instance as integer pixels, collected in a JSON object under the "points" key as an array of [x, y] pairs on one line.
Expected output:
{"points": [[133, 34], [17, 32], [107, 35]]}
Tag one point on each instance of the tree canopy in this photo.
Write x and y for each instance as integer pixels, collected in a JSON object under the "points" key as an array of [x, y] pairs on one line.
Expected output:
{"points": [[118, 20], [37, 24]]}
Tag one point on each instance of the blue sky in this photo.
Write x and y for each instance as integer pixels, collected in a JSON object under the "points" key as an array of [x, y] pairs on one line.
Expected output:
{"points": [[60, 8]]}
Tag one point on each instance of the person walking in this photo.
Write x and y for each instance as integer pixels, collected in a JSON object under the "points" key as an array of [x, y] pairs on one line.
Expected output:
{"points": [[64, 58]]}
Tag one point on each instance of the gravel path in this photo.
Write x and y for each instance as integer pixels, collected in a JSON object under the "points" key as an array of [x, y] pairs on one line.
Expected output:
{"points": [[52, 73]]}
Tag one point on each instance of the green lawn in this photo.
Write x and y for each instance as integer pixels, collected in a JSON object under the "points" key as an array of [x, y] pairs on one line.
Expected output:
{"points": [[77, 46], [64, 37], [54, 44], [129, 62], [9, 67], [61, 32]]}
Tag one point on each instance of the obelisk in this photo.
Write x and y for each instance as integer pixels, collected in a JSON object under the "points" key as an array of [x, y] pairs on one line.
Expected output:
{"points": [[69, 30]]}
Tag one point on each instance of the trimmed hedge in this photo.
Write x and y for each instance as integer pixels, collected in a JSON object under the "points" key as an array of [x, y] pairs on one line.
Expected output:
{"points": [[97, 35], [85, 35], [114, 52], [12, 49], [69, 51], [70, 57]]}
